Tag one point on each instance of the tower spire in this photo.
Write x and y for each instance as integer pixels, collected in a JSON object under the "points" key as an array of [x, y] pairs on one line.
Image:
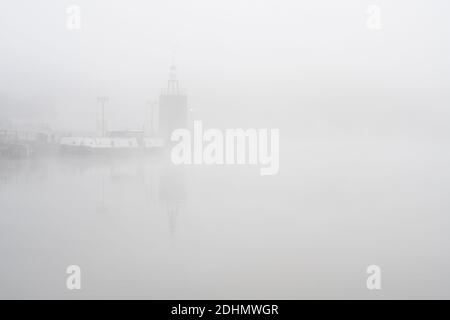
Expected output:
{"points": [[172, 85]]}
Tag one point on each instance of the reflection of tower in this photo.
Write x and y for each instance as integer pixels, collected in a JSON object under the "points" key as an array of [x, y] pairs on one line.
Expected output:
{"points": [[172, 192], [172, 107], [102, 208]]}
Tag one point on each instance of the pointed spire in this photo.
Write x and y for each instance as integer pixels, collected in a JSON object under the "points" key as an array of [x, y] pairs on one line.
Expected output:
{"points": [[173, 73], [172, 84]]}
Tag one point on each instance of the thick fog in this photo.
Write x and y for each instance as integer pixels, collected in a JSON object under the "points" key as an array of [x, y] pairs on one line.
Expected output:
{"points": [[271, 62], [363, 114]]}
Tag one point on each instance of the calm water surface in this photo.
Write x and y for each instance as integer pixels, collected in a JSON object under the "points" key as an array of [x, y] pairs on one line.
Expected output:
{"points": [[143, 228]]}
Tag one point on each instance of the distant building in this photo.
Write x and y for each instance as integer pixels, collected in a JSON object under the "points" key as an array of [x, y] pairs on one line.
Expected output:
{"points": [[117, 143], [173, 110]]}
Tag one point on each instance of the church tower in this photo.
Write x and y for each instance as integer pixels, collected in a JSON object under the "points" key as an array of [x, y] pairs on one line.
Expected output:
{"points": [[173, 111]]}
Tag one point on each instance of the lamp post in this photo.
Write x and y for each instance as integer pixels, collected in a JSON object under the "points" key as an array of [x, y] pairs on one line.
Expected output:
{"points": [[102, 101]]}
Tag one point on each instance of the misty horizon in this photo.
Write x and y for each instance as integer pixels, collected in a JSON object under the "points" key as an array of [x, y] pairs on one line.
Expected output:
{"points": [[360, 172]]}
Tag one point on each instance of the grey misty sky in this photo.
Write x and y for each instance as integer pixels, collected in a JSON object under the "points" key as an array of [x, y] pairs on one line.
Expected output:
{"points": [[234, 56]]}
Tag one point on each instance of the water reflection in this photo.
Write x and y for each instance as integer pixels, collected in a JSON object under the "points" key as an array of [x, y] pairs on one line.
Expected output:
{"points": [[149, 184], [142, 228], [172, 192]]}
